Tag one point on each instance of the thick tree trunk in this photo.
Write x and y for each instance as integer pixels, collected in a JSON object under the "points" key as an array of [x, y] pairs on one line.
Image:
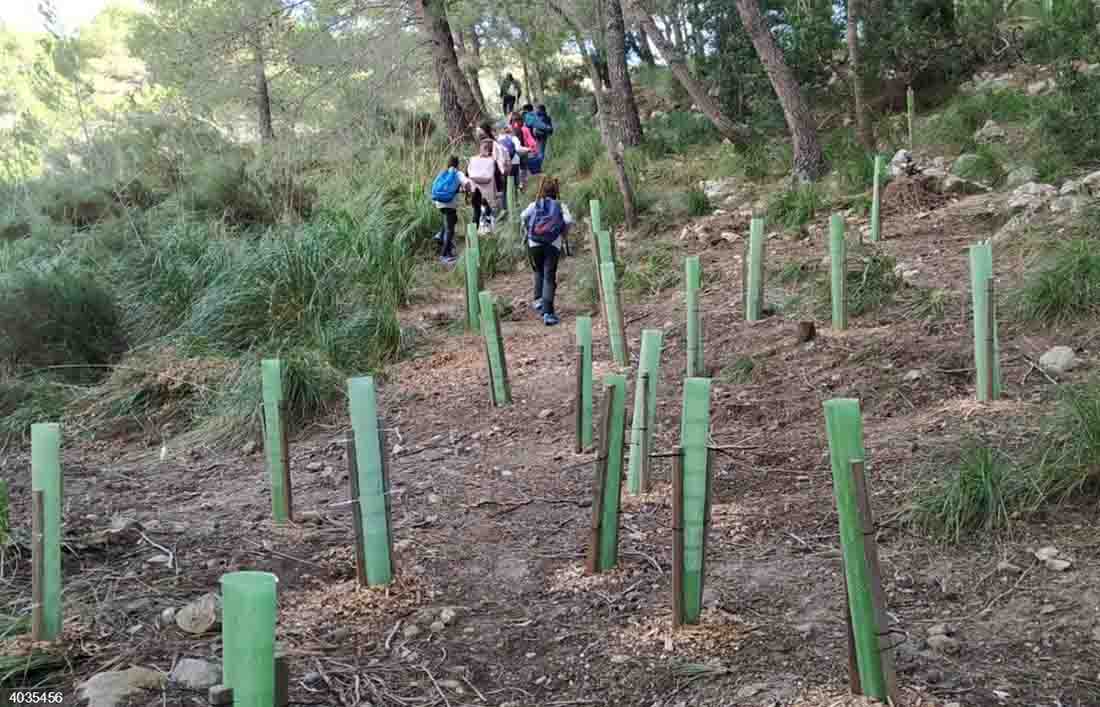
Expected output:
{"points": [[645, 53], [468, 49], [855, 66], [453, 117], [435, 22], [622, 91], [698, 92], [263, 98], [809, 162]]}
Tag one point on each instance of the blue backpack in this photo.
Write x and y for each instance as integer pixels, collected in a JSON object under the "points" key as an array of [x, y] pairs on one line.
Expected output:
{"points": [[547, 224], [446, 185], [509, 144], [539, 125]]}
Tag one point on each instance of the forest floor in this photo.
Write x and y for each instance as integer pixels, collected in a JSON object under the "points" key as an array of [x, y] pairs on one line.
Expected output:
{"points": [[491, 509]]}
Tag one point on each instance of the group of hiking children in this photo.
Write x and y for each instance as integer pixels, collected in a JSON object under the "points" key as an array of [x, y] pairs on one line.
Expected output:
{"points": [[517, 150]]}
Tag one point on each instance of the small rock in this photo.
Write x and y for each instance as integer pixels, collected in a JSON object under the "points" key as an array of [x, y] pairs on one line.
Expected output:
{"points": [[944, 644], [913, 376], [1053, 559], [1047, 609], [1006, 566], [990, 132], [315, 466], [114, 688], [1067, 205], [437, 627], [956, 185], [1091, 183], [310, 517], [901, 164], [1058, 360], [1021, 176], [448, 615], [168, 616], [942, 630], [1030, 196], [806, 630], [411, 631], [749, 691], [249, 448], [545, 414], [434, 498], [1036, 88], [196, 674], [220, 695], [201, 615], [1069, 188], [159, 560], [1058, 565], [619, 659], [965, 163]]}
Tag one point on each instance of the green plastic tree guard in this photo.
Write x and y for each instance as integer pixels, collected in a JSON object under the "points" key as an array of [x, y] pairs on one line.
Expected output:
{"points": [[597, 215], [693, 273], [584, 341], [372, 480], [472, 256], [494, 345], [275, 443], [614, 314], [838, 256], [695, 430], [754, 309], [986, 345], [607, 247], [46, 480], [876, 199], [615, 386], [844, 427], [645, 411], [248, 637], [693, 281]]}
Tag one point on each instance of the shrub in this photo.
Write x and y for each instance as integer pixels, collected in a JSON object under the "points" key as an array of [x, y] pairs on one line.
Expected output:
{"points": [[1065, 285], [1069, 32], [58, 317], [678, 132], [652, 271], [26, 401], [854, 166], [985, 168], [1069, 125], [750, 161], [698, 203], [588, 149], [956, 125], [978, 495]]}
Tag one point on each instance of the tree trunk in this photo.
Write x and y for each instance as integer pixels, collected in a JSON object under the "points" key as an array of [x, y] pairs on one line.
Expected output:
{"points": [[622, 91], [809, 162], [263, 98], [855, 66], [698, 92], [435, 22], [453, 118], [468, 49], [645, 53]]}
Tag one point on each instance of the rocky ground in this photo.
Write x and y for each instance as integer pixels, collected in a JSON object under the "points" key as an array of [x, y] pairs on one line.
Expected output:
{"points": [[491, 509]]}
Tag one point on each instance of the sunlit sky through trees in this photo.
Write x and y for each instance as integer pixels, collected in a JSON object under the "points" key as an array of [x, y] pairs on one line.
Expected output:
{"points": [[24, 16]]}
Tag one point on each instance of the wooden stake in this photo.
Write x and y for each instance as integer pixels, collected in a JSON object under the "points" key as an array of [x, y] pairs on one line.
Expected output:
{"points": [[282, 680], [677, 537], [384, 458], [38, 575], [356, 512], [593, 564], [853, 664], [284, 416], [870, 553]]}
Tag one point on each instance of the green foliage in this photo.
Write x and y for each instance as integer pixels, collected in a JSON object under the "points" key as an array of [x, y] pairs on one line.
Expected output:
{"points": [[750, 161], [740, 371], [1068, 468], [698, 203], [854, 165], [650, 270], [588, 149], [58, 317], [1070, 32], [977, 495], [931, 304], [677, 133], [869, 288], [1069, 125], [985, 169], [1065, 285], [956, 125], [25, 401], [795, 207]]}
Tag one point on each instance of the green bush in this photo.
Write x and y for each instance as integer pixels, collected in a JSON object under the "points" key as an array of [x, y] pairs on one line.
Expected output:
{"points": [[985, 169], [698, 203], [678, 132], [740, 371], [650, 271], [58, 317], [27, 401], [1069, 468], [1065, 285], [1069, 125], [956, 125], [1069, 32], [750, 161], [853, 165], [588, 149]]}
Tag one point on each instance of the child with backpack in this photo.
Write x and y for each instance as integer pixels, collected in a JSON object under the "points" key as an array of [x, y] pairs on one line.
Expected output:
{"points": [[503, 162], [527, 146], [482, 172], [542, 127], [547, 223], [445, 191]]}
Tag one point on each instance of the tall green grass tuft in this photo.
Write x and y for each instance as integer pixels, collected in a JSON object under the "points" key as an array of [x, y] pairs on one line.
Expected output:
{"points": [[795, 207], [871, 287], [698, 203], [651, 272], [976, 496], [1065, 285]]}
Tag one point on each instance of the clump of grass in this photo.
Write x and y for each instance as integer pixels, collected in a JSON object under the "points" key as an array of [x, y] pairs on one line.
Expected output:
{"points": [[985, 168], [698, 203], [931, 304], [796, 271], [1065, 285], [853, 165], [27, 400], [749, 161], [651, 272], [587, 148], [678, 132], [1069, 467], [977, 495], [740, 371], [956, 125], [870, 287], [586, 289], [795, 207]]}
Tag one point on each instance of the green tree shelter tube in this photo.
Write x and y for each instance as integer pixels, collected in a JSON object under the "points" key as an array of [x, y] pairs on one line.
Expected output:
{"points": [[274, 439], [46, 479], [615, 386], [472, 256], [838, 255], [614, 317], [693, 281], [986, 347], [844, 427], [248, 637], [584, 341], [695, 430], [754, 301], [876, 199], [372, 483], [645, 410]]}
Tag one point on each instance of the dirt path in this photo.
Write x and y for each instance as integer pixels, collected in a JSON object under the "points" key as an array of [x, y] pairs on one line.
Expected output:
{"points": [[491, 508]]}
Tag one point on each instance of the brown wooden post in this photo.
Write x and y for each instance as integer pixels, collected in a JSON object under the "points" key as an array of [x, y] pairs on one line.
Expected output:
{"points": [[878, 596], [677, 537], [503, 359], [644, 468], [38, 576], [706, 519], [578, 401], [489, 373], [991, 343], [356, 512], [853, 664], [282, 680], [284, 452], [603, 451], [384, 457]]}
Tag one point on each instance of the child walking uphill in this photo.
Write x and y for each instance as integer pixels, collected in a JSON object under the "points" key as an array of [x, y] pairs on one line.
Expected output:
{"points": [[547, 222], [445, 191], [482, 172]]}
